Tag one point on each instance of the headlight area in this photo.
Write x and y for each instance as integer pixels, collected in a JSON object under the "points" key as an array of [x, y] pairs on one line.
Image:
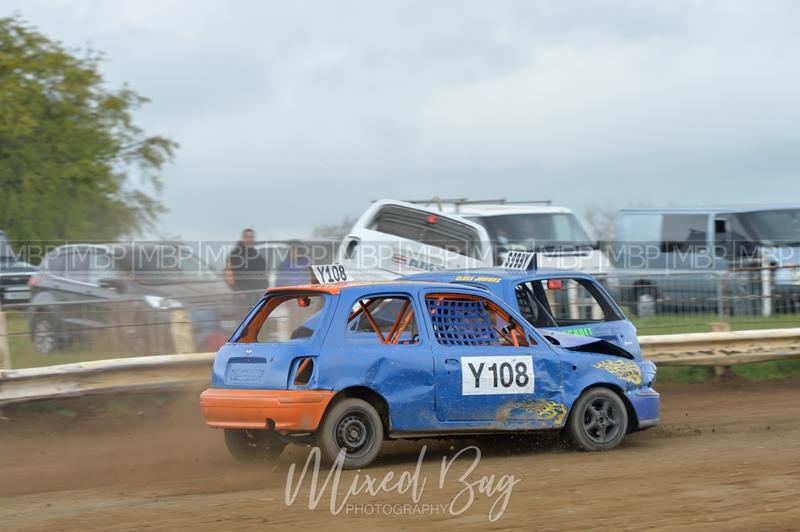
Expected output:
{"points": [[162, 303], [649, 372]]}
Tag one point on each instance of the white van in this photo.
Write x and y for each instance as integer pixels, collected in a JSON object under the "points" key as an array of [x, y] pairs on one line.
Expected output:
{"points": [[554, 233], [399, 238]]}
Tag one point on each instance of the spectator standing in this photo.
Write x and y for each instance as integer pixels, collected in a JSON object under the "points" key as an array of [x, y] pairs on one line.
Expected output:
{"points": [[246, 267]]}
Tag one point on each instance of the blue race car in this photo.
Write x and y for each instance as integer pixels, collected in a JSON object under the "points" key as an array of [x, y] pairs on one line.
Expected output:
{"points": [[347, 365]]}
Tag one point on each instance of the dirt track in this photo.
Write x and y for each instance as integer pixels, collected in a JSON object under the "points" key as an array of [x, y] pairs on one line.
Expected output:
{"points": [[726, 455]]}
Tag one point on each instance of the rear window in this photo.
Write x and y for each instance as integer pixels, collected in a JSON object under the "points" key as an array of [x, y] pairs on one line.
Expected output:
{"points": [[280, 318], [429, 229]]}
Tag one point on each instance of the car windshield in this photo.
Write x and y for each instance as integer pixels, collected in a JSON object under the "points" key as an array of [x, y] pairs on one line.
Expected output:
{"points": [[536, 231], [775, 226], [163, 265]]}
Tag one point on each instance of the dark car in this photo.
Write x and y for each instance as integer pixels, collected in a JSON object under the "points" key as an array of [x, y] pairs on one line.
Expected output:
{"points": [[133, 297], [14, 275]]}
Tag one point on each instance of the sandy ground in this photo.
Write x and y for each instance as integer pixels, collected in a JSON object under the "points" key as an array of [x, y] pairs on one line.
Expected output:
{"points": [[726, 456]]}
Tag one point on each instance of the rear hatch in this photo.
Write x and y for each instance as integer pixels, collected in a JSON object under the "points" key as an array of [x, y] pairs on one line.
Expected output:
{"points": [[258, 366], [277, 345]]}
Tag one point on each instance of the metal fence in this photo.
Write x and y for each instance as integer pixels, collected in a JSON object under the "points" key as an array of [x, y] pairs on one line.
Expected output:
{"points": [[84, 329], [688, 301], [657, 303]]}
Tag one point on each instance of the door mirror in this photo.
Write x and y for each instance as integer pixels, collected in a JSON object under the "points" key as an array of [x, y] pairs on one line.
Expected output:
{"points": [[116, 285]]}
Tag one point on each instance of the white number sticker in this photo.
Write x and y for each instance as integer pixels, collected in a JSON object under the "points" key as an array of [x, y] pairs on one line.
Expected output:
{"points": [[330, 273], [496, 375]]}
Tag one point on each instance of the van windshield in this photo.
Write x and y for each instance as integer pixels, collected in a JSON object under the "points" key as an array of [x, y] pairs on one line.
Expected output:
{"points": [[536, 231], [775, 226]]}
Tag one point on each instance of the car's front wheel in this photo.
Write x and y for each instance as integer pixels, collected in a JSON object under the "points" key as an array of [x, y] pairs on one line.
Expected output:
{"points": [[598, 421], [253, 446], [355, 426]]}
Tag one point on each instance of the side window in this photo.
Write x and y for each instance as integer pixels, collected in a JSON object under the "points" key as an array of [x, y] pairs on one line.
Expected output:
{"points": [[56, 263], [383, 320], [471, 320], [101, 266], [563, 302], [77, 265], [683, 232]]}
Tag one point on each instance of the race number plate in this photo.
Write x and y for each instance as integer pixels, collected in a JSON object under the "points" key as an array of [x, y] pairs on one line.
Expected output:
{"points": [[330, 273], [496, 375]]}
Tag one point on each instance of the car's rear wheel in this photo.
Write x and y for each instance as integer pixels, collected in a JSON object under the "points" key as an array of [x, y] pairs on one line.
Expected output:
{"points": [[355, 426], [598, 421], [45, 333], [253, 446]]}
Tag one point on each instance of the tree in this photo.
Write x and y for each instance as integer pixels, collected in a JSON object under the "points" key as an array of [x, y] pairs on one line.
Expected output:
{"points": [[335, 231], [69, 149], [601, 221]]}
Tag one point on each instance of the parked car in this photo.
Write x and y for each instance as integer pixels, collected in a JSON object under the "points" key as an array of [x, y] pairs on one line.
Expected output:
{"points": [[701, 258], [14, 275], [453, 359], [551, 300], [132, 289]]}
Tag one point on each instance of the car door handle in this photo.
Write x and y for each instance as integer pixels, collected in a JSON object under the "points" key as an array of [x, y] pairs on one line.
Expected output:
{"points": [[451, 362]]}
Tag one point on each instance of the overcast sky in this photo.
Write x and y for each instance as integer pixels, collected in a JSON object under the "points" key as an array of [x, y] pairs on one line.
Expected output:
{"points": [[292, 114]]}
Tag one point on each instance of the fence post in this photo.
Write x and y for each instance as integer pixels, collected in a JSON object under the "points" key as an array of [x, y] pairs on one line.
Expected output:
{"points": [[181, 328], [766, 287], [5, 351], [720, 326]]}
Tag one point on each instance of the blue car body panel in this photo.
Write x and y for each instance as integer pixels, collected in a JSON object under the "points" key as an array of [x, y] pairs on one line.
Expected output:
{"points": [[421, 382]]}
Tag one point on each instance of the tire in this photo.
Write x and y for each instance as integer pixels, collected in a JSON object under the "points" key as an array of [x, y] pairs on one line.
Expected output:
{"points": [[598, 420], [44, 332], [352, 424], [253, 446]]}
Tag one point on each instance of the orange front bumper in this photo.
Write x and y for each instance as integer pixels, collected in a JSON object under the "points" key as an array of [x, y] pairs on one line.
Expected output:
{"points": [[253, 409]]}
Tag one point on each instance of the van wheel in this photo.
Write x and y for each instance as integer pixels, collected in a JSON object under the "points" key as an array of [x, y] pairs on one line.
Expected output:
{"points": [[598, 421], [355, 426], [253, 446]]}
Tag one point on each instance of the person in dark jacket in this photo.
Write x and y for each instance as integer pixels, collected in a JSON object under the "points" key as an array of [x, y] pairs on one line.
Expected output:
{"points": [[246, 267]]}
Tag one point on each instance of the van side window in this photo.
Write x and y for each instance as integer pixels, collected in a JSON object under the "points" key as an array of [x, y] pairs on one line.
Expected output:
{"points": [[683, 232], [563, 302]]}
